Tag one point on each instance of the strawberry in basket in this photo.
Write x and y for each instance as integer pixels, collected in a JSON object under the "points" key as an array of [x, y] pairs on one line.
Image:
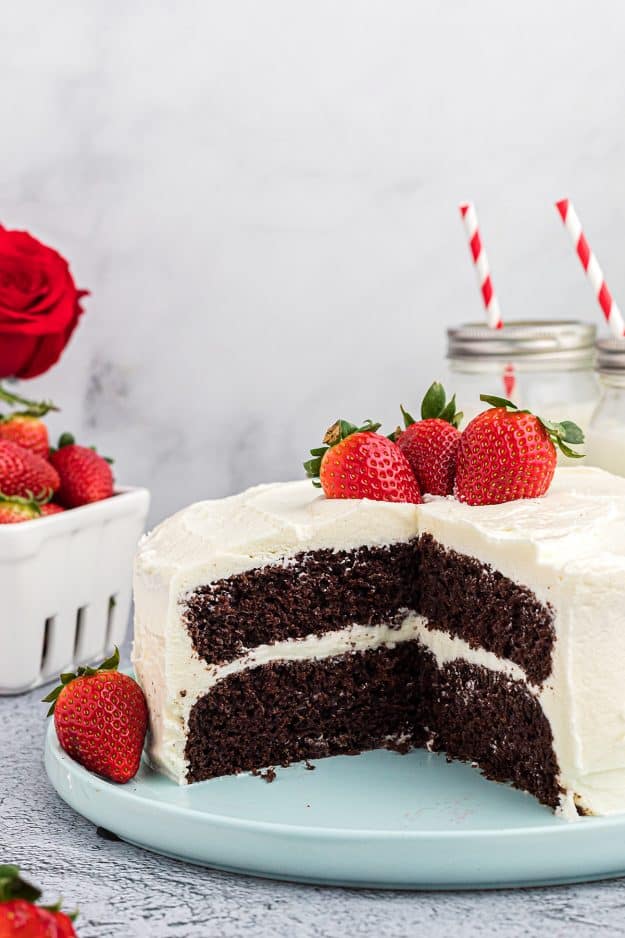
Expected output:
{"points": [[36, 480], [25, 426], [26, 475], [84, 475]]}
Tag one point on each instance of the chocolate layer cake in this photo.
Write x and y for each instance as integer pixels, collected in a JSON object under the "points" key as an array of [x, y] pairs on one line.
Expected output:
{"points": [[279, 625]]}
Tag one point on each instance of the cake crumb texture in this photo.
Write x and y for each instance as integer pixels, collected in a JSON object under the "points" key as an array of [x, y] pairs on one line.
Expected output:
{"points": [[284, 712]]}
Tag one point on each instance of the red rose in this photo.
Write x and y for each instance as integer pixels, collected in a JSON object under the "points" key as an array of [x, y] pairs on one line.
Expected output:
{"points": [[39, 305]]}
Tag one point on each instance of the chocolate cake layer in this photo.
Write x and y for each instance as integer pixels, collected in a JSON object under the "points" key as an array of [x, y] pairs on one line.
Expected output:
{"points": [[470, 600], [483, 716], [325, 590], [313, 592], [287, 711]]}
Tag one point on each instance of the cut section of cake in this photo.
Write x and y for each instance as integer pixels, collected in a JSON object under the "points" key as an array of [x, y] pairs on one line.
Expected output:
{"points": [[280, 625]]}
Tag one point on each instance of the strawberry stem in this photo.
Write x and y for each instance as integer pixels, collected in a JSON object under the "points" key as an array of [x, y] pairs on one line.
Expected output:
{"points": [[33, 408], [335, 434], [111, 664], [563, 434], [435, 406]]}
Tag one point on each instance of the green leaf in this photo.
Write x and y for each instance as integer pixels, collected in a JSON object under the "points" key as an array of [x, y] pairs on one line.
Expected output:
{"points": [[369, 426], [29, 502], [112, 663], [66, 678], [66, 439], [552, 428], [12, 886], [568, 451], [52, 695], [433, 402], [435, 406], [51, 698], [312, 466], [572, 433], [335, 434], [408, 418], [347, 428], [562, 433], [495, 401], [449, 413], [72, 916]]}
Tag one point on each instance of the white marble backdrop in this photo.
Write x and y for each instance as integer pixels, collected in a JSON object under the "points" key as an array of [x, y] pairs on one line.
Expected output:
{"points": [[262, 199]]}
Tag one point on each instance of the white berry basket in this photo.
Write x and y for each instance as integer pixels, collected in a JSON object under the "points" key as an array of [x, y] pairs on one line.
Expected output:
{"points": [[65, 587]]}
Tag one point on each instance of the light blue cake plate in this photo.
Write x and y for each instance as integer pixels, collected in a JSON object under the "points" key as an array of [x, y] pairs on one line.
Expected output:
{"points": [[374, 820]]}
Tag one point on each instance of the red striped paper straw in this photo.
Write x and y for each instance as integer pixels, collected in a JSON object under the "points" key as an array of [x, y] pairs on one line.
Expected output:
{"points": [[589, 262], [482, 268]]}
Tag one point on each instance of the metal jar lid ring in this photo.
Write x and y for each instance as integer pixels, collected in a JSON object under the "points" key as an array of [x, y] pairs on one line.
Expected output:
{"points": [[549, 340], [611, 355]]}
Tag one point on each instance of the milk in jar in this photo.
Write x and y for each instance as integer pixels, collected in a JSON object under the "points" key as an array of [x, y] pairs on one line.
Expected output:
{"points": [[546, 366], [605, 443]]}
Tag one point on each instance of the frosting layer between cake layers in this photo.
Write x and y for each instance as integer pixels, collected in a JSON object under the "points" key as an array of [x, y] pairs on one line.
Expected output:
{"points": [[567, 548]]}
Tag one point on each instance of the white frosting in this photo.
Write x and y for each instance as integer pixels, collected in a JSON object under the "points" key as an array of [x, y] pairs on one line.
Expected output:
{"points": [[568, 547], [266, 523]]}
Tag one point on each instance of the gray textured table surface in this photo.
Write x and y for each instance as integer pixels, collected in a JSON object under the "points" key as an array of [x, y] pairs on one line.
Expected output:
{"points": [[123, 891]]}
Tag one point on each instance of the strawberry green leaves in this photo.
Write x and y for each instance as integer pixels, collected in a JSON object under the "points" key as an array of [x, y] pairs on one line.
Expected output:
{"points": [[563, 434], [31, 503], [66, 439], [12, 886], [339, 431], [111, 664], [435, 406]]}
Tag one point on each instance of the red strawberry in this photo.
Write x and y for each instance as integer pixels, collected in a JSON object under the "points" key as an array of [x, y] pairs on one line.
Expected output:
{"points": [[26, 431], [23, 920], [357, 462], [431, 444], [507, 453], [85, 476], [51, 508], [26, 427], [64, 925], [15, 510], [101, 718], [24, 473], [19, 916]]}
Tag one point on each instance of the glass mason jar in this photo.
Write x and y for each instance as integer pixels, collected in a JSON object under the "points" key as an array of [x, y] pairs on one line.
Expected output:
{"points": [[605, 445], [543, 365]]}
